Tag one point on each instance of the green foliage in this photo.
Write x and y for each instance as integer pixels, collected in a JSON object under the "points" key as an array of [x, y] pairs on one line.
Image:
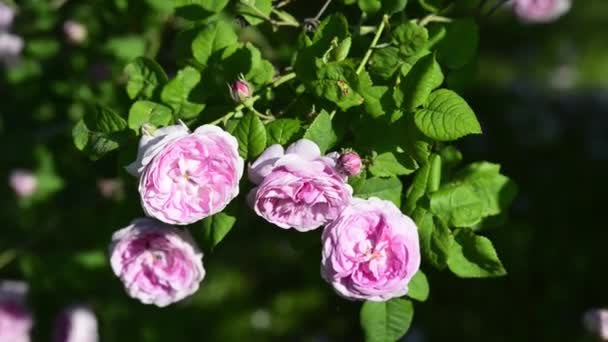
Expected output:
{"points": [[143, 112], [251, 135], [418, 288], [473, 256], [284, 131], [216, 227], [99, 132], [386, 321], [321, 132], [383, 188], [145, 78]]}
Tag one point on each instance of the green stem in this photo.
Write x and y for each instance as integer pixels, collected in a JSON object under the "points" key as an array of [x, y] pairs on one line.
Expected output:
{"points": [[240, 107], [433, 18], [369, 51], [435, 173]]}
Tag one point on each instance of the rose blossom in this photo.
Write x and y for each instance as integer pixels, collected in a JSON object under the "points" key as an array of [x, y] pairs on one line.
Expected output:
{"points": [[23, 182], [541, 10], [76, 324], [297, 188], [596, 323], [185, 177], [15, 318], [157, 263], [371, 251], [10, 48]]}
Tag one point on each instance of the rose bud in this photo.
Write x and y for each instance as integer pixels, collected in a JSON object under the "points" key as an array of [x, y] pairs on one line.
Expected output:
{"points": [[240, 90], [596, 323], [157, 263], [185, 177], [76, 324], [15, 318], [349, 164], [297, 188], [371, 251], [541, 10], [7, 14], [75, 32], [23, 182]]}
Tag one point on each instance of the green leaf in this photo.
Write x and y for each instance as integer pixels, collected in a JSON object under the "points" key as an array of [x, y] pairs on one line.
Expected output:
{"points": [[385, 62], [251, 135], [420, 81], [476, 192], [418, 288], [321, 132], [99, 132], [370, 6], [411, 38], [417, 189], [459, 46], [211, 39], [446, 116], [216, 227], [254, 11], [392, 164], [372, 95], [383, 188], [282, 131], [458, 205], [198, 9], [473, 256], [176, 93], [145, 77], [386, 321], [336, 82], [142, 112], [393, 6], [436, 239], [126, 48]]}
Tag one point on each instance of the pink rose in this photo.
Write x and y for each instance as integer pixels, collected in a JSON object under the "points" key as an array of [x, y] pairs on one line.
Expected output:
{"points": [[185, 177], [23, 182], [10, 48], [371, 251], [297, 188], [76, 324], [15, 318], [596, 323], [541, 10], [240, 90], [158, 264]]}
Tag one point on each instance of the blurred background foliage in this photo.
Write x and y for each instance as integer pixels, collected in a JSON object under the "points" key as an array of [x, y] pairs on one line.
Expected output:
{"points": [[541, 95]]}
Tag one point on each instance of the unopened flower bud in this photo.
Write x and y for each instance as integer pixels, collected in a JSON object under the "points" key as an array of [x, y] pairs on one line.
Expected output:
{"points": [[350, 163], [240, 90]]}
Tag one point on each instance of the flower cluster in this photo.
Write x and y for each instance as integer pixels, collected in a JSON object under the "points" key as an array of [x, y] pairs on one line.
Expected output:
{"points": [[370, 249]]}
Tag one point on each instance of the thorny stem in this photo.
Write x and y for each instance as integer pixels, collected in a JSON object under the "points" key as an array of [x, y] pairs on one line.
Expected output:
{"points": [[276, 83], [369, 51]]}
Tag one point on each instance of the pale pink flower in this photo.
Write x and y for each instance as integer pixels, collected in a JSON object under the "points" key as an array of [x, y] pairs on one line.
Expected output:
{"points": [[157, 263], [74, 31], [297, 188], [15, 318], [10, 48], [23, 182], [77, 324], [371, 251], [541, 10], [596, 322], [7, 14], [185, 177]]}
